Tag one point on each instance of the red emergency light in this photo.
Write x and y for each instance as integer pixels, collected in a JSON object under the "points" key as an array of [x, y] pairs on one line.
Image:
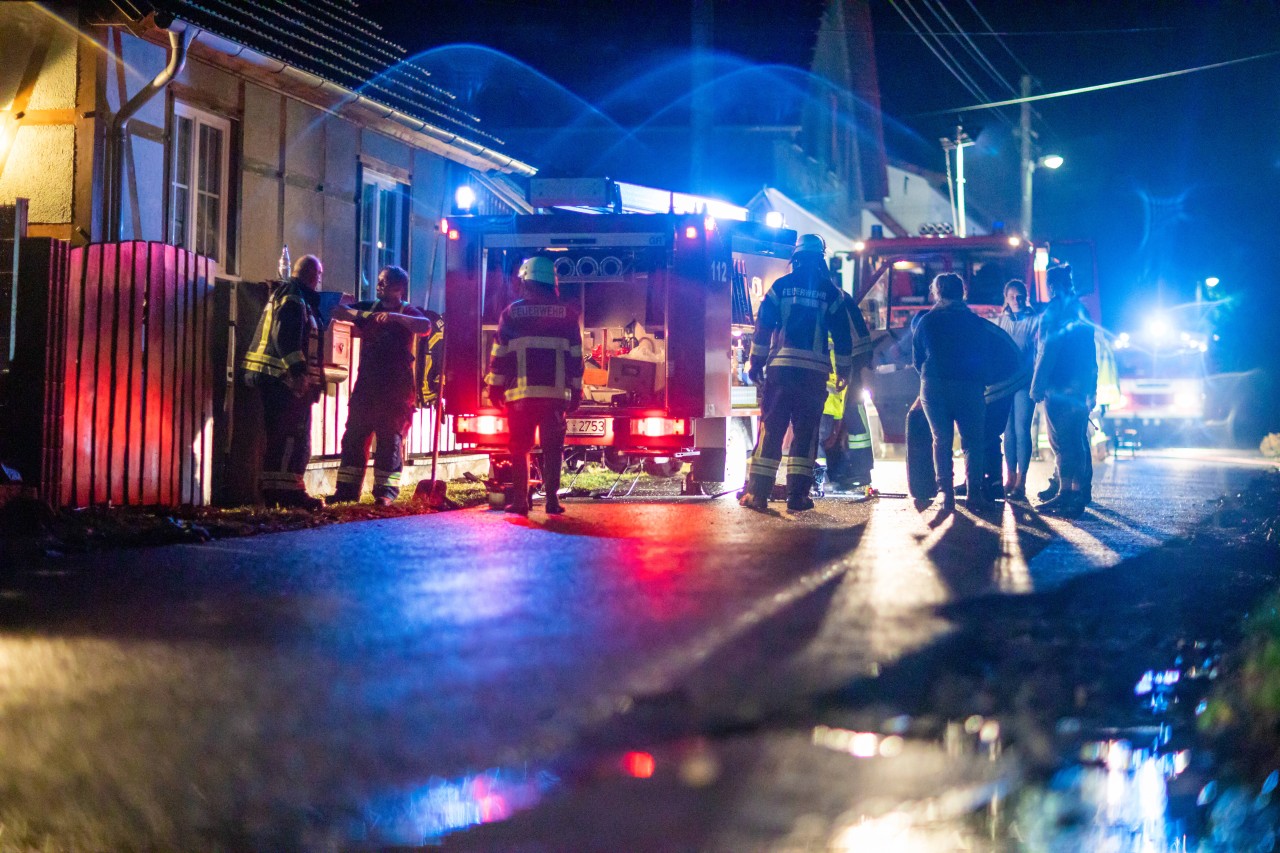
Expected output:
{"points": [[655, 427], [482, 424]]}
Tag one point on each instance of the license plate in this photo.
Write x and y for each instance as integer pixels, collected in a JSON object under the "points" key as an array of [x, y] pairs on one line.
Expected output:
{"points": [[586, 426]]}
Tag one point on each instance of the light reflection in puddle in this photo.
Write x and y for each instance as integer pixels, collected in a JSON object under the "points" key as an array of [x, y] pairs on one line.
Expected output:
{"points": [[442, 806]]}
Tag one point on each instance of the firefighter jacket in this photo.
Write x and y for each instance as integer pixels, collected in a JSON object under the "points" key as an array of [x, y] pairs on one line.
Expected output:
{"points": [[1067, 363], [537, 353], [796, 317], [286, 344], [386, 377], [430, 369]]}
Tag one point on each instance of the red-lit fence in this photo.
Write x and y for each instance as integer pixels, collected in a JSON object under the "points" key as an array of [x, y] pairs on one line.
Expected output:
{"points": [[132, 423]]}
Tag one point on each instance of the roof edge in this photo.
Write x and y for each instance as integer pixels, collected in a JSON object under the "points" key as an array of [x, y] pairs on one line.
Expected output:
{"points": [[332, 98]]}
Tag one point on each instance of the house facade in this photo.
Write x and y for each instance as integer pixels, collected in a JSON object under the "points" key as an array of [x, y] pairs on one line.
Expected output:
{"points": [[233, 130]]}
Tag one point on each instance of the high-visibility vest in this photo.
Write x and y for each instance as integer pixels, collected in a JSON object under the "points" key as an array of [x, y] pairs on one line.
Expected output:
{"points": [[288, 334], [537, 353]]}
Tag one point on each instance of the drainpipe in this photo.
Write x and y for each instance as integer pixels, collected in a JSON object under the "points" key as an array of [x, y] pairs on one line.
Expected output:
{"points": [[116, 128]]}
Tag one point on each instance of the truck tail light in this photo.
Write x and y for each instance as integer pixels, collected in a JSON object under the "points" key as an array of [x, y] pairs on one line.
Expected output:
{"points": [[655, 427], [482, 424]]}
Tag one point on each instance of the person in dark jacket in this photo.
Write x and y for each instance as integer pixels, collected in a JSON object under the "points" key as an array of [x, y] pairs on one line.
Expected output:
{"points": [[283, 363], [1007, 376], [385, 397], [948, 350], [1066, 379], [535, 372]]}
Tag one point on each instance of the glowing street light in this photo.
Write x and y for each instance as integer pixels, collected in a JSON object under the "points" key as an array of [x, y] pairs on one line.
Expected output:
{"points": [[1050, 161], [1212, 281]]}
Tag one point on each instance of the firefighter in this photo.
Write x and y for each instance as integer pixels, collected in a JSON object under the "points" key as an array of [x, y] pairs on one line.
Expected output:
{"points": [[798, 315], [1066, 380], [284, 365], [845, 433], [535, 371], [385, 396]]}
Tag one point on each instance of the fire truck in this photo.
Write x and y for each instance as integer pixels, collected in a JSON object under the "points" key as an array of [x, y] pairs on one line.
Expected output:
{"points": [[668, 304], [891, 278]]}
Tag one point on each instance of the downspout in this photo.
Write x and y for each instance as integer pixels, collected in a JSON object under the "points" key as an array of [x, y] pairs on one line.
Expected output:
{"points": [[116, 128]]}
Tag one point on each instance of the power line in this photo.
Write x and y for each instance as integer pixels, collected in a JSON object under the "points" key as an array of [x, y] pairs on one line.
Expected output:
{"points": [[949, 62], [1024, 68], [973, 49], [1101, 86]]}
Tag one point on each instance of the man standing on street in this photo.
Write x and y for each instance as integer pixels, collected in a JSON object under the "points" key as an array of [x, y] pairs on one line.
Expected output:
{"points": [[535, 371], [384, 398], [283, 363], [797, 316], [949, 352], [1066, 379]]}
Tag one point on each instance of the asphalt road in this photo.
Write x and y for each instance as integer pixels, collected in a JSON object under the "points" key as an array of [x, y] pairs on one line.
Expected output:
{"points": [[425, 679]]}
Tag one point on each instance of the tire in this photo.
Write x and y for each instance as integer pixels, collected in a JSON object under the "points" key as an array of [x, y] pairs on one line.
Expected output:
{"points": [[922, 480], [615, 461], [738, 449]]}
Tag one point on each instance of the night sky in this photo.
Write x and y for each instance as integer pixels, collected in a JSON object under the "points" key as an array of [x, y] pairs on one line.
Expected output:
{"points": [[1174, 180]]}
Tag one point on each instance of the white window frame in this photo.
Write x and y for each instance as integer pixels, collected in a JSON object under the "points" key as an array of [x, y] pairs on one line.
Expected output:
{"points": [[374, 254], [199, 118]]}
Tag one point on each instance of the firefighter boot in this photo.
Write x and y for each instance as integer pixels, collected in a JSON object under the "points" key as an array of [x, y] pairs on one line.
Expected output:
{"points": [[798, 489], [756, 493]]}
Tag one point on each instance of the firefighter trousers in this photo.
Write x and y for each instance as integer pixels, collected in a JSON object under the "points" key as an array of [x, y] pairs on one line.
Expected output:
{"points": [[547, 418], [286, 419], [792, 397], [365, 422]]}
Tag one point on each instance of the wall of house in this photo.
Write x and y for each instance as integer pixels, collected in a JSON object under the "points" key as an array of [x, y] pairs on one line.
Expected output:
{"points": [[913, 201], [37, 130], [298, 168]]}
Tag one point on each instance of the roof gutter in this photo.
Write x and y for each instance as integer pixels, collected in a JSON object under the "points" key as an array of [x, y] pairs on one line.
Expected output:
{"points": [[339, 100], [113, 196]]}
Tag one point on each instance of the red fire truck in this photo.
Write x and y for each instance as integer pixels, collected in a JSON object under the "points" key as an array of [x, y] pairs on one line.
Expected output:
{"points": [[891, 279], [668, 303]]}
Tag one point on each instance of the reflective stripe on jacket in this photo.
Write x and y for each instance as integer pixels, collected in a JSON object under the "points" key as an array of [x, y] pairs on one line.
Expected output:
{"points": [[537, 353], [288, 334], [797, 316]]}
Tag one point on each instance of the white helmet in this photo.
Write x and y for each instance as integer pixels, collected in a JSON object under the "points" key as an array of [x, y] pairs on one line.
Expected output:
{"points": [[538, 270]]}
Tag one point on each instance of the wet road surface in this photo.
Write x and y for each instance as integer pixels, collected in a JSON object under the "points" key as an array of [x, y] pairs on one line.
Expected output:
{"points": [[596, 681]]}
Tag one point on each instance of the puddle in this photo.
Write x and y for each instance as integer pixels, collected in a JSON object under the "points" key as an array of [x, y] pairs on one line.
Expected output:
{"points": [[909, 786], [426, 814]]}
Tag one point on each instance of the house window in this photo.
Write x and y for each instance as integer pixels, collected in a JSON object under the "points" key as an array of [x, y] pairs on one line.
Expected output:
{"points": [[201, 147], [384, 227]]}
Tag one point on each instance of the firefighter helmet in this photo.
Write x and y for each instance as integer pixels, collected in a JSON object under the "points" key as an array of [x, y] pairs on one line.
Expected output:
{"points": [[810, 243], [538, 270]]}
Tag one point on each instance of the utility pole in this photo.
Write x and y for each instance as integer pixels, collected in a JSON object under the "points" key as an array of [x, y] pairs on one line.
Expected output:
{"points": [[1028, 165], [958, 145]]}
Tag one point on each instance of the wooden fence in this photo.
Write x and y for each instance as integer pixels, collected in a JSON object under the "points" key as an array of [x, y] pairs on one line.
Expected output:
{"points": [[132, 423]]}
